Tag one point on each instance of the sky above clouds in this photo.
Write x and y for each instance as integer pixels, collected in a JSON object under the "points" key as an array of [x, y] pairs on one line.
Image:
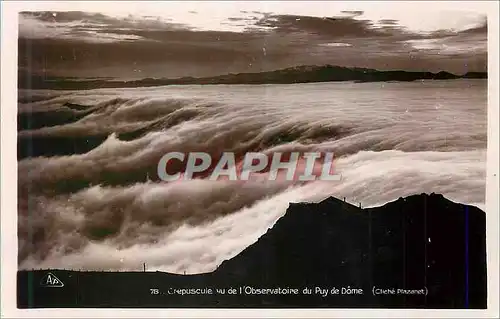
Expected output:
{"points": [[175, 39]]}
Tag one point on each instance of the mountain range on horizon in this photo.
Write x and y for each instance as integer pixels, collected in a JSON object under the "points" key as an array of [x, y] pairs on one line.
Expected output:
{"points": [[298, 74]]}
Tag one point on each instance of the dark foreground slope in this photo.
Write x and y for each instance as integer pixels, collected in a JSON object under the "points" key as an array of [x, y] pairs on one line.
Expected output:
{"points": [[298, 74], [423, 251]]}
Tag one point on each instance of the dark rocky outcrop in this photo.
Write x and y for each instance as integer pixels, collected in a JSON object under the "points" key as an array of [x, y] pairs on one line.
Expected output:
{"points": [[431, 249]]}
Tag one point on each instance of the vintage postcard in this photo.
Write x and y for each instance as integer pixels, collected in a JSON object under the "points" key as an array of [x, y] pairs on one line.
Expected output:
{"points": [[299, 157]]}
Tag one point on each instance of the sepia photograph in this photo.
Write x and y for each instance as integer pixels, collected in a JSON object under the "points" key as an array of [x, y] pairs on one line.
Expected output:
{"points": [[280, 154]]}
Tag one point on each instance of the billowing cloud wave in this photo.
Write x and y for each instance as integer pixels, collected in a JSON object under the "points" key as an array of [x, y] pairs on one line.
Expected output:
{"points": [[103, 207]]}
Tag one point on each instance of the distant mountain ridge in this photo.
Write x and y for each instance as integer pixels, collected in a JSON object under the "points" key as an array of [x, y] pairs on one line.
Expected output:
{"points": [[299, 74], [422, 251]]}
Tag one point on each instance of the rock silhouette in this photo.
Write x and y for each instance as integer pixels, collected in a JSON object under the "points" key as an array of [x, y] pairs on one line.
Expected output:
{"points": [[422, 251]]}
